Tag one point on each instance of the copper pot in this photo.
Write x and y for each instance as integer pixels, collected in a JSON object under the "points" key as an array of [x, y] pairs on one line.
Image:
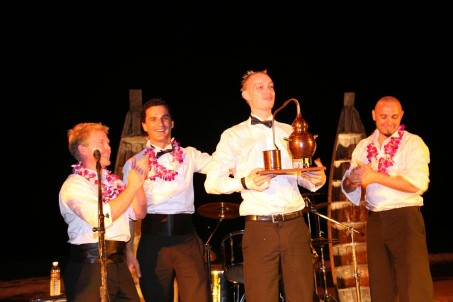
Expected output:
{"points": [[301, 143]]}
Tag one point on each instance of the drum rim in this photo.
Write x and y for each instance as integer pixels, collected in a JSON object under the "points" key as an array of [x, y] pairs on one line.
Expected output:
{"points": [[229, 235]]}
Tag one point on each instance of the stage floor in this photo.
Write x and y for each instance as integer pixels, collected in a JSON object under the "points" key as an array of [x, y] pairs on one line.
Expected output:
{"points": [[26, 289]]}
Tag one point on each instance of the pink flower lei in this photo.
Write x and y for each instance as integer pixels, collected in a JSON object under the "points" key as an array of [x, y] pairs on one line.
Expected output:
{"points": [[157, 170], [390, 149], [112, 185]]}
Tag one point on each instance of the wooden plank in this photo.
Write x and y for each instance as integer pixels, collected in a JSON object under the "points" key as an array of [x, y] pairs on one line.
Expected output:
{"points": [[133, 138], [348, 253]]}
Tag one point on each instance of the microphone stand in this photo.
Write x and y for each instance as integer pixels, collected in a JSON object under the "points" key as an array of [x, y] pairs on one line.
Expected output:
{"points": [[354, 256], [101, 230]]}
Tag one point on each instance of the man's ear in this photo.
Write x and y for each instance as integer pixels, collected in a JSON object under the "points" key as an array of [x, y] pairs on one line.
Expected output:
{"points": [[245, 95], [82, 149]]}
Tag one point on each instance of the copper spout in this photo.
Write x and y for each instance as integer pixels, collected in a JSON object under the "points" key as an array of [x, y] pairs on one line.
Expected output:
{"points": [[275, 113]]}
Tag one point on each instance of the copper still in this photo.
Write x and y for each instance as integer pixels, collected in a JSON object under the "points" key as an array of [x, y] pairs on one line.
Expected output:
{"points": [[301, 143]]}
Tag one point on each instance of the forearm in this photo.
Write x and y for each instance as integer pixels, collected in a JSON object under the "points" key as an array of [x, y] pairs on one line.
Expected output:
{"points": [[395, 182], [139, 204], [122, 202], [130, 243], [217, 183], [131, 259]]}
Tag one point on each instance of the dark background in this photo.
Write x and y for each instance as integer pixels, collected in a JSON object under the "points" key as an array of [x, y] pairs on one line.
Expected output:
{"points": [[79, 65]]}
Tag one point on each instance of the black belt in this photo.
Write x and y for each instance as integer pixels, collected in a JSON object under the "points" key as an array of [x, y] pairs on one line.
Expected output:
{"points": [[274, 218], [89, 252], [167, 224]]}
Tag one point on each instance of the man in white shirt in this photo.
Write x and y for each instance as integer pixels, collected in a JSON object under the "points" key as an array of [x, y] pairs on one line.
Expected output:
{"points": [[392, 166], [169, 246], [276, 239], [79, 206]]}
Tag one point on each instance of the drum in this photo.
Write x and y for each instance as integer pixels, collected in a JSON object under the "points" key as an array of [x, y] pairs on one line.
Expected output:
{"points": [[232, 257]]}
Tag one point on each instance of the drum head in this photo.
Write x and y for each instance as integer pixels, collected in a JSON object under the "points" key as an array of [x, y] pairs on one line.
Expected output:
{"points": [[235, 274]]}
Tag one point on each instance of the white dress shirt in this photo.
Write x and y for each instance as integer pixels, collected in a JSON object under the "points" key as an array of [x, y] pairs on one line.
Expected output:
{"points": [[175, 196], [79, 206], [410, 162], [239, 151]]}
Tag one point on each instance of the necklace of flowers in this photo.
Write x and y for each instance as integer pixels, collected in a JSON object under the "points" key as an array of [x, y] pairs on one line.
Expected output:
{"points": [[112, 185], [156, 169], [390, 149]]}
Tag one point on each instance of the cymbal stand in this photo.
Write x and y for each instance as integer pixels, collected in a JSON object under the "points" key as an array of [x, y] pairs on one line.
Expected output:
{"points": [[356, 268], [208, 251], [314, 253], [325, 296], [354, 255]]}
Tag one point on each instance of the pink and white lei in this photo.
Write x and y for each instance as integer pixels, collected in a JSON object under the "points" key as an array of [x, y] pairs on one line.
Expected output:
{"points": [[112, 185], [385, 161], [156, 169]]}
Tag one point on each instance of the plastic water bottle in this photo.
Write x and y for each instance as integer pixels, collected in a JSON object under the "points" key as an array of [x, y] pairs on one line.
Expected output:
{"points": [[55, 279]]}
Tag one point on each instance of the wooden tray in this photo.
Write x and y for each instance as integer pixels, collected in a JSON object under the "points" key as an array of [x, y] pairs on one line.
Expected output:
{"points": [[290, 171]]}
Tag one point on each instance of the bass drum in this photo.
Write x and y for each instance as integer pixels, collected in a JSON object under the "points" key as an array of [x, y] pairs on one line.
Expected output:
{"points": [[232, 257]]}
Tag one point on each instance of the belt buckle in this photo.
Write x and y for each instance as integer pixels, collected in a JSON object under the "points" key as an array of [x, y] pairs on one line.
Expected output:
{"points": [[277, 218]]}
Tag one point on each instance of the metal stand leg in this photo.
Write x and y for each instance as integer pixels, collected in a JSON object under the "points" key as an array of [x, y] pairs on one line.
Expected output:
{"points": [[208, 254], [324, 296], [314, 254], [352, 231], [237, 293]]}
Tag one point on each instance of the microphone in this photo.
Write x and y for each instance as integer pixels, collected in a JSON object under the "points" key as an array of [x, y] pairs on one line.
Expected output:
{"points": [[97, 154]]}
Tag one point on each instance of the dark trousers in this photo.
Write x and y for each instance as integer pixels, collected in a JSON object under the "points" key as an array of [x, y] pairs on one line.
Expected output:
{"points": [[82, 275], [169, 248], [164, 258], [277, 250], [398, 260]]}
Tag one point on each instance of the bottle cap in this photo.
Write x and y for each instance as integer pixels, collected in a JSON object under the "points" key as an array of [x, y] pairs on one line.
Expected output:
{"points": [[55, 263]]}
